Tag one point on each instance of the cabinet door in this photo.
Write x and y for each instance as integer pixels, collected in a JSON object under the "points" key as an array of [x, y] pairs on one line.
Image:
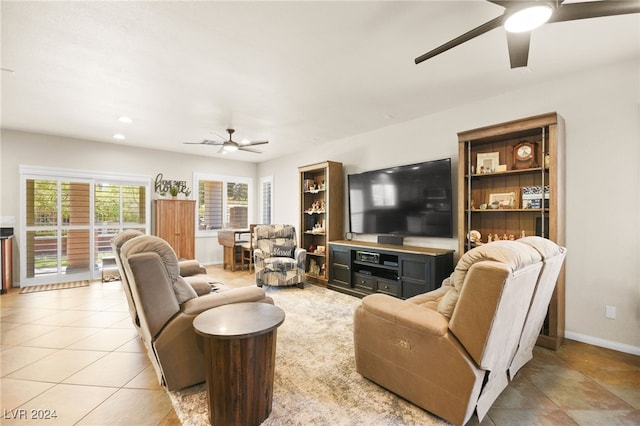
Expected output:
{"points": [[415, 273], [340, 271], [166, 221], [185, 226]]}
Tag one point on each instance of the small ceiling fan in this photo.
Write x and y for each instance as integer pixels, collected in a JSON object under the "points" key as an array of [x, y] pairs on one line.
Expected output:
{"points": [[230, 145], [521, 17]]}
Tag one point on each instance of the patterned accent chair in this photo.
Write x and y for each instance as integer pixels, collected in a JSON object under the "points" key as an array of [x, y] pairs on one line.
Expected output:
{"points": [[277, 260]]}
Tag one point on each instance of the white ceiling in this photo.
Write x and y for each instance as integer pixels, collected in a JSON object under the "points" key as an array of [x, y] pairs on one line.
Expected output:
{"points": [[296, 73]]}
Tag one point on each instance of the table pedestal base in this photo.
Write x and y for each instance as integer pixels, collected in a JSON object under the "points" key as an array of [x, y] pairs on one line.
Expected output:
{"points": [[239, 376]]}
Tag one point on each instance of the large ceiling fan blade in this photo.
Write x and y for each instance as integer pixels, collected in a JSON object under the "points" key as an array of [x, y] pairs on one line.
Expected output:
{"points": [[503, 3], [478, 31], [593, 9], [210, 142], [518, 44], [205, 142], [245, 148], [252, 143]]}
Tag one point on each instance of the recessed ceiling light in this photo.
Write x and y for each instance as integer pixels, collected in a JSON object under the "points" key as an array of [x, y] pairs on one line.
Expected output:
{"points": [[119, 136], [125, 119]]}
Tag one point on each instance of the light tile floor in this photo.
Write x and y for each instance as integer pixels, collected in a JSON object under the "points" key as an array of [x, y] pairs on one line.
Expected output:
{"points": [[76, 352]]}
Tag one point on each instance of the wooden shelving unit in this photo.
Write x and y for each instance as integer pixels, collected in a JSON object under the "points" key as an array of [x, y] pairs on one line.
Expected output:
{"points": [[321, 215], [516, 215]]}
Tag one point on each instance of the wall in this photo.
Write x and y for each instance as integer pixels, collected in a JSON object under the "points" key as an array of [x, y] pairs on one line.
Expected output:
{"points": [[21, 148], [602, 112]]}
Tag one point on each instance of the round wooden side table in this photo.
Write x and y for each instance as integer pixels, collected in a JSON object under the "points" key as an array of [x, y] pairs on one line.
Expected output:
{"points": [[240, 350]]}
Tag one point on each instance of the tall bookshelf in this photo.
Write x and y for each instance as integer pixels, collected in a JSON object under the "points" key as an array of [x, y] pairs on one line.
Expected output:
{"points": [[501, 195], [321, 215]]}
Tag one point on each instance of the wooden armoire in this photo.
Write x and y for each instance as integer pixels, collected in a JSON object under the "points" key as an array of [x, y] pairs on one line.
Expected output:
{"points": [[175, 223]]}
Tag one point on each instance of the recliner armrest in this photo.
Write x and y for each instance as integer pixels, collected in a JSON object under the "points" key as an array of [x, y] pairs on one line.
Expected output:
{"points": [[236, 295], [300, 254], [258, 254], [406, 314], [191, 267]]}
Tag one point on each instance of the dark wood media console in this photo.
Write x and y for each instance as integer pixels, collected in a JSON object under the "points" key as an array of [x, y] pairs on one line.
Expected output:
{"points": [[360, 268]]}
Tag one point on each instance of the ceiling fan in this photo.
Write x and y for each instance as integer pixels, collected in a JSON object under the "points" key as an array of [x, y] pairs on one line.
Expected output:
{"points": [[230, 145], [521, 17]]}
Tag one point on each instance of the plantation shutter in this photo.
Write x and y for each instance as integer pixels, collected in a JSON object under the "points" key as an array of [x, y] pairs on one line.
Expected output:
{"points": [[210, 205], [267, 201]]}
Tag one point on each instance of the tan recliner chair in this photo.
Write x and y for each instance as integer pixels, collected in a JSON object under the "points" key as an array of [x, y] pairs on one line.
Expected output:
{"points": [[191, 270], [449, 351], [166, 306]]}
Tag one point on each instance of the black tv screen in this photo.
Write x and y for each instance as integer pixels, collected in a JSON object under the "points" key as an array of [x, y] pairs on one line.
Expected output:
{"points": [[410, 200]]}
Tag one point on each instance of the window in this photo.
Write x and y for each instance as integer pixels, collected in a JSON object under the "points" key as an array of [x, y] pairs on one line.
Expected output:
{"points": [[223, 202], [266, 200], [70, 217]]}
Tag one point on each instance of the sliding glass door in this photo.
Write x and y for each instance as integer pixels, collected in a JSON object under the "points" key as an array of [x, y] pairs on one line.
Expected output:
{"points": [[68, 223]]}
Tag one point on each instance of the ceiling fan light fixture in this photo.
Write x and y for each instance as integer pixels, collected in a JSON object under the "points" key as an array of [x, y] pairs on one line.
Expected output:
{"points": [[229, 147], [528, 18]]}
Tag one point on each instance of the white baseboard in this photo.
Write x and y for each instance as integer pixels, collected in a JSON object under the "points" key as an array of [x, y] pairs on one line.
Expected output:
{"points": [[596, 341]]}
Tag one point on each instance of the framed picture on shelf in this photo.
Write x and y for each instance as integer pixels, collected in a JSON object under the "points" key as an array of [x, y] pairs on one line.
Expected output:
{"points": [[487, 162], [503, 200], [532, 197]]}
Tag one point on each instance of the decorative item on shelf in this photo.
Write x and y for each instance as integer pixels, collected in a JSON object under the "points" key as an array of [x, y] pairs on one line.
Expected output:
{"points": [[474, 237], [312, 248], [314, 268], [308, 184], [316, 207], [532, 197], [525, 155], [483, 206], [318, 228], [174, 191], [187, 192], [320, 249], [487, 162], [547, 160], [505, 200], [473, 205]]}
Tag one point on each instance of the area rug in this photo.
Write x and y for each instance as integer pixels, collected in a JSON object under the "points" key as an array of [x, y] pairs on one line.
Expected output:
{"points": [[316, 382], [57, 286]]}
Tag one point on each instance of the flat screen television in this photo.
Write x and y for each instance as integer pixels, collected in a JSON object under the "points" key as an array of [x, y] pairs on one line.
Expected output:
{"points": [[410, 200]]}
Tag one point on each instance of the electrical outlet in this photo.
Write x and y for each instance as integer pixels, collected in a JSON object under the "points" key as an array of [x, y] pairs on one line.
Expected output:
{"points": [[610, 312]]}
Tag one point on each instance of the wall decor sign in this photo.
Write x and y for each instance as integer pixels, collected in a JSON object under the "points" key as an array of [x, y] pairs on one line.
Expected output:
{"points": [[163, 186]]}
